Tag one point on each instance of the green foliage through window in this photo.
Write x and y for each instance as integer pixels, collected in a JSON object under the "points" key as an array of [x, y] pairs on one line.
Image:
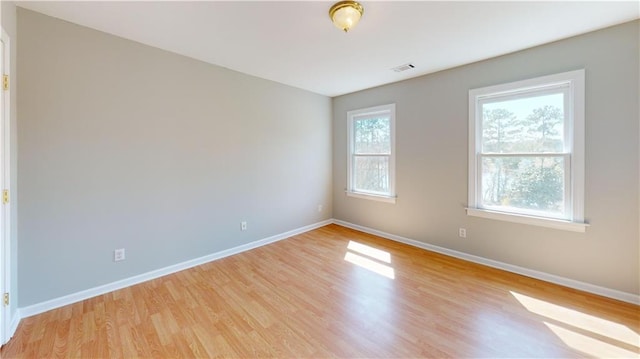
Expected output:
{"points": [[372, 147], [522, 153]]}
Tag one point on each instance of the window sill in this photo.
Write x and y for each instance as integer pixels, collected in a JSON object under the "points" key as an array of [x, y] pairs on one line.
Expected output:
{"points": [[374, 197], [531, 220]]}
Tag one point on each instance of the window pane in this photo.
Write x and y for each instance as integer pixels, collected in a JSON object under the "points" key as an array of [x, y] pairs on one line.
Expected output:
{"points": [[527, 183], [531, 124], [371, 174], [372, 135]]}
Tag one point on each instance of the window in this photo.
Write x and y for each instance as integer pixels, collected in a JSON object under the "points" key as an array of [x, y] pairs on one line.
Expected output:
{"points": [[371, 172], [526, 151]]}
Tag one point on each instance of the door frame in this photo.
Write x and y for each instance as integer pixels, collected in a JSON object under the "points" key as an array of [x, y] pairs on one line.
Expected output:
{"points": [[5, 209]]}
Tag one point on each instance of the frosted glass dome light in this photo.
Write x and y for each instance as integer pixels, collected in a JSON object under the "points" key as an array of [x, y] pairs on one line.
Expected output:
{"points": [[346, 14]]}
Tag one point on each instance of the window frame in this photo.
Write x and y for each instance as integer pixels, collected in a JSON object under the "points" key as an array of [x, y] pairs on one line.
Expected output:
{"points": [[359, 114], [572, 84]]}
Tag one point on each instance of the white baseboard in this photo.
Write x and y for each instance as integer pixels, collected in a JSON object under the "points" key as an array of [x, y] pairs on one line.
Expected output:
{"points": [[92, 292], [586, 287]]}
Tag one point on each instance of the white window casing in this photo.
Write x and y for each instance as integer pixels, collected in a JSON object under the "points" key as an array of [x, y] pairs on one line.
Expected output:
{"points": [[570, 213], [362, 182]]}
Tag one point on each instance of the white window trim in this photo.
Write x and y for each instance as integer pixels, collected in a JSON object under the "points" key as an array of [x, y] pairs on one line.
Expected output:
{"points": [[575, 146], [350, 191]]}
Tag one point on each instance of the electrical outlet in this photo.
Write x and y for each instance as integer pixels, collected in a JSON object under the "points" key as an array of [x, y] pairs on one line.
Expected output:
{"points": [[462, 233], [319, 208], [118, 255], [243, 226]]}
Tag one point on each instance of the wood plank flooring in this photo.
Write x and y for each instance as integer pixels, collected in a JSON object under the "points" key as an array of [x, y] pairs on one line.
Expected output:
{"points": [[335, 292]]}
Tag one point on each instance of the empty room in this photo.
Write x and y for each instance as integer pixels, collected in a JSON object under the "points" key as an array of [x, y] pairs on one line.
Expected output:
{"points": [[315, 179]]}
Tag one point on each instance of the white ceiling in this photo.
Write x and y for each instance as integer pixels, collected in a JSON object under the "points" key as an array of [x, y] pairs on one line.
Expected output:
{"points": [[294, 43]]}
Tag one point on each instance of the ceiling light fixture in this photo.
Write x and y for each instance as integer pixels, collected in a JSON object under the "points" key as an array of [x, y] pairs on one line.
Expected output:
{"points": [[346, 14]]}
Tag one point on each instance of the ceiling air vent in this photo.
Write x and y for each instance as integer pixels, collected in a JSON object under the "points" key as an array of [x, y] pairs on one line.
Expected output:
{"points": [[404, 67]]}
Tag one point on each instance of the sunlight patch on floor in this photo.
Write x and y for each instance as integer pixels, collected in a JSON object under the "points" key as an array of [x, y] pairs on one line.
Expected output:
{"points": [[583, 323], [579, 320], [370, 251], [369, 258], [589, 345]]}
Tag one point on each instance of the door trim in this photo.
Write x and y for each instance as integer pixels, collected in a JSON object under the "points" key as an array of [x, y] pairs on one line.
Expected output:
{"points": [[5, 209]]}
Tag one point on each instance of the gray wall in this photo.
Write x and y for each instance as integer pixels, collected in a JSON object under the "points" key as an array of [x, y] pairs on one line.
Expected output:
{"points": [[124, 145], [9, 24], [432, 162]]}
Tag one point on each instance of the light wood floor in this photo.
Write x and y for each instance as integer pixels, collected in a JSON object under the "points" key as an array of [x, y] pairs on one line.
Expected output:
{"points": [[305, 297]]}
